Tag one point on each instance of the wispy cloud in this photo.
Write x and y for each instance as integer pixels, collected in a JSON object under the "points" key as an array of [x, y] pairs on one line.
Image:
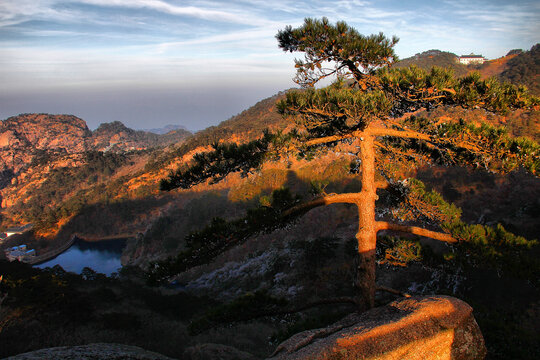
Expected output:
{"points": [[15, 12], [512, 18], [239, 38], [71, 44], [213, 14]]}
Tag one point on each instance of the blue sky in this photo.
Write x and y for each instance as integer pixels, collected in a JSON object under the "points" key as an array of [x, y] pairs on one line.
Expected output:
{"points": [[149, 63]]}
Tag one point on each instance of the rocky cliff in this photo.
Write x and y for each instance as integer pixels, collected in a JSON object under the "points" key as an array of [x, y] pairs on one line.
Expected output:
{"points": [[24, 137], [28, 139]]}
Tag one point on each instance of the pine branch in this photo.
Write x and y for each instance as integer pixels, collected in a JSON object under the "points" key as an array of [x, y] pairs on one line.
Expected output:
{"points": [[350, 198], [409, 134], [376, 131], [384, 225], [334, 138]]}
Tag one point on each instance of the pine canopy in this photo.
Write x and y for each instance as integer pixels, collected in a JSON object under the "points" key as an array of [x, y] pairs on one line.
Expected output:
{"points": [[324, 43], [373, 105]]}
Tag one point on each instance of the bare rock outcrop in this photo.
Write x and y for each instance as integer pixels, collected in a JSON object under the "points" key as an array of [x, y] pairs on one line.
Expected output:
{"points": [[25, 136], [432, 327], [45, 132], [91, 352], [22, 136]]}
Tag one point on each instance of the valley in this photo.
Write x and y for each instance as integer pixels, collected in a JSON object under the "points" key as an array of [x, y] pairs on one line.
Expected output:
{"points": [[67, 180]]}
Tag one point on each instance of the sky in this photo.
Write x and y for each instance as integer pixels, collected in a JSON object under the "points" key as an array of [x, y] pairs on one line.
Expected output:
{"points": [[149, 63]]}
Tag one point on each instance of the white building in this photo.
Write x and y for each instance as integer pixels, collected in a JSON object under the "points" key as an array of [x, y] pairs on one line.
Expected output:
{"points": [[18, 230], [20, 253], [471, 59]]}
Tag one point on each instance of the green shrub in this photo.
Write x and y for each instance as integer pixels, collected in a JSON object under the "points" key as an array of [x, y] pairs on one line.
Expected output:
{"points": [[398, 251]]}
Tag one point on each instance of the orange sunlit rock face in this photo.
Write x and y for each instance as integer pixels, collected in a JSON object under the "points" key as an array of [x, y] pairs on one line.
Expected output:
{"points": [[433, 327]]}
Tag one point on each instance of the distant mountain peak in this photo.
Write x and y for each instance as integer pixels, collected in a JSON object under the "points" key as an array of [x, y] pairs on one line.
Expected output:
{"points": [[112, 125], [166, 129], [433, 52]]}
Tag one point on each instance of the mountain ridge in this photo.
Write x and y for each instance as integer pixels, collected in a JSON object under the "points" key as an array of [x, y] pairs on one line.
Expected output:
{"points": [[165, 129], [24, 136], [517, 66]]}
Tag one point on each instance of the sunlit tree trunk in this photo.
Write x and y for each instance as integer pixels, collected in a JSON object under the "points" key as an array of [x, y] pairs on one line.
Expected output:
{"points": [[367, 229], [364, 277]]}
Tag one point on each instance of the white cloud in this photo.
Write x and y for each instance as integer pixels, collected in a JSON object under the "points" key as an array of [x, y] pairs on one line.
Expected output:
{"points": [[32, 69], [239, 17], [513, 18], [13, 12], [243, 38], [147, 48]]}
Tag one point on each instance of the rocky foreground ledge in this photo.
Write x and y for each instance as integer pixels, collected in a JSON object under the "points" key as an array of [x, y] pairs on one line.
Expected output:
{"points": [[430, 327], [97, 351], [433, 327]]}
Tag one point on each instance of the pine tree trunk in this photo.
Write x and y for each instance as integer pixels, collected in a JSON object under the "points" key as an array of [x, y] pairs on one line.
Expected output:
{"points": [[367, 232]]}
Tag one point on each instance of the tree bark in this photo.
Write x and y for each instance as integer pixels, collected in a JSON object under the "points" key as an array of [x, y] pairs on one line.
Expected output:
{"points": [[367, 229]]}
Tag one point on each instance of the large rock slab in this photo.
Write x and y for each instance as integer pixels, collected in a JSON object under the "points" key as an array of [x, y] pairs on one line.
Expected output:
{"points": [[96, 351], [433, 327]]}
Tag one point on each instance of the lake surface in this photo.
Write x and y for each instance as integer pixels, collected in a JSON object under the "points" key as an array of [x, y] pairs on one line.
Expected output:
{"points": [[102, 256]]}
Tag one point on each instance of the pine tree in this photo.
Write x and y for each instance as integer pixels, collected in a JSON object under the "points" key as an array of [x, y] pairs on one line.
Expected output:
{"points": [[372, 105]]}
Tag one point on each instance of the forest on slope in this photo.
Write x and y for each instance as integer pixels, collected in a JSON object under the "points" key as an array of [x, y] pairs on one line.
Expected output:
{"points": [[524, 69], [341, 114], [120, 194], [137, 176]]}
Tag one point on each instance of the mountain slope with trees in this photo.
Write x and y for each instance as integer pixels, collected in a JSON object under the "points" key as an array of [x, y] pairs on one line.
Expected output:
{"points": [[524, 69], [253, 236], [47, 161], [517, 67], [371, 108], [428, 59]]}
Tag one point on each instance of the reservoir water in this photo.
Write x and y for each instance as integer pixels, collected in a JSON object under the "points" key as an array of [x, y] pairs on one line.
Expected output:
{"points": [[102, 256]]}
